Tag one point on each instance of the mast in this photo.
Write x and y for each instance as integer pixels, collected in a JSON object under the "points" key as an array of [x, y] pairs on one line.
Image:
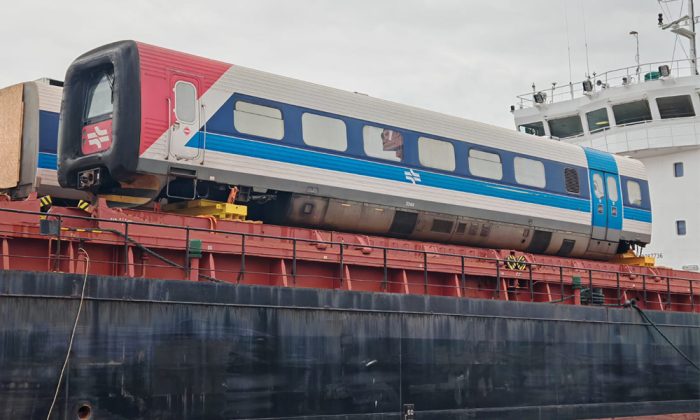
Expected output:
{"points": [[691, 38], [685, 31]]}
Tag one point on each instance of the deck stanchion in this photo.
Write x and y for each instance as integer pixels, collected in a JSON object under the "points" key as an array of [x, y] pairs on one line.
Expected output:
{"points": [[619, 295], [590, 287], [187, 252], [342, 265], [498, 278], [644, 289], [294, 261], [692, 298], [532, 286], [561, 281], [386, 271], [425, 272], [668, 291], [57, 263], [126, 248], [463, 278], [241, 272]]}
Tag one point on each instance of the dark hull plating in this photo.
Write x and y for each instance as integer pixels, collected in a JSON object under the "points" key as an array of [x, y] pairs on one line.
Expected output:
{"points": [[171, 349]]}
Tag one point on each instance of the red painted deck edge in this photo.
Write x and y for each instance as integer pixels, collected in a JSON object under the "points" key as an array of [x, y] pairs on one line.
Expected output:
{"points": [[254, 253]]}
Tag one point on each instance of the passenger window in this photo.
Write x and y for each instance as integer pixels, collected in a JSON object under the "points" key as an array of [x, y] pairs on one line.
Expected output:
{"points": [[534, 128], [598, 188], [529, 172], [675, 106], [680, 227], [634, 193], [258, 120], [678, 169], [598, 120], [571, 182], [325, 132], [185, 102], [485, 164], [436, 154], [383, 143], [612, 188], [566, 127], [632, 112]]}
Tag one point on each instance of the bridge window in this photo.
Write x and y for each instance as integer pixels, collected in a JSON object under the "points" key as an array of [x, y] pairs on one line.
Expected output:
{"points": [[485, 164], [632, 112], [529, 172], [325, 132], [383, 143], [678, 169], [598, 120], [185, 102], [634, 193], [680, 227], [571, 182], [675, 106], [258, 120], [535, 128], [566, 127], [436, 154]]}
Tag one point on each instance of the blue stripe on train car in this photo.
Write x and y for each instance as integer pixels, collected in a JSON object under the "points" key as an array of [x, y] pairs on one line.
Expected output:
{"points": [[221, 123], [297, 156], [48, 131], [47, 161], [637, 214]]}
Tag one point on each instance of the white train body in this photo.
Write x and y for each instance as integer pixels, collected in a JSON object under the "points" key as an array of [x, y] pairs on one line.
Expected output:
{"points": [[346, 161]]}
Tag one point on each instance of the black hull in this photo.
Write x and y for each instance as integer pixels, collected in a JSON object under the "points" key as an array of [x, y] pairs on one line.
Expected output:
{"points": [[156, 349]]}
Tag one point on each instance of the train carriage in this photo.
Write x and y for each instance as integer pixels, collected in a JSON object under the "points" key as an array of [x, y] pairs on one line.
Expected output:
{"points": [[141, 122], [29, 114]]}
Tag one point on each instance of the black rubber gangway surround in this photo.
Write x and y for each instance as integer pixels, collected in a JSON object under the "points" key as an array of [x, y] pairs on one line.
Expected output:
{"points": [[159, 349], [119, 162]]}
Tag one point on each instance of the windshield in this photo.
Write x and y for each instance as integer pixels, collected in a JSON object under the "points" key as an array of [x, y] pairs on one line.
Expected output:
{"points": [[99, 96]]}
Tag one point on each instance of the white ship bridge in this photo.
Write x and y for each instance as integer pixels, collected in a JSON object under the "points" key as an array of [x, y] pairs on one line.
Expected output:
{"points": [[650, 112]]}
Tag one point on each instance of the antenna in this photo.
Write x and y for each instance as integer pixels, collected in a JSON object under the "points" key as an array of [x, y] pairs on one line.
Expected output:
{"points": [[693, 52], [585, 38], [635, 34], [568, 44]]}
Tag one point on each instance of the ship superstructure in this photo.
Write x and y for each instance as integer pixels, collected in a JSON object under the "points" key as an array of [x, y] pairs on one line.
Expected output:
{"points": [[649, 112]]}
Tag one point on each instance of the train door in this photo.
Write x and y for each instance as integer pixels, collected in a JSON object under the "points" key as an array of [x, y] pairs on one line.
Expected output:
{"points": [[185, 118], [605, 198], [612, 189]]}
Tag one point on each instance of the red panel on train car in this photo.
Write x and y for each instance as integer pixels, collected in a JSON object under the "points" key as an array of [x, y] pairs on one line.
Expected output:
{"points": [[96, 137], [155, 65]]}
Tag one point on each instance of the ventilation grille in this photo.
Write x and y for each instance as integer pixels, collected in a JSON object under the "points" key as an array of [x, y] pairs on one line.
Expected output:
{"points": [[571, 180]]}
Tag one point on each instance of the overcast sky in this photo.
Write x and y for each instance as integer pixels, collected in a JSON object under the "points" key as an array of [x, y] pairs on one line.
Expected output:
{"points": [[464, 58]]}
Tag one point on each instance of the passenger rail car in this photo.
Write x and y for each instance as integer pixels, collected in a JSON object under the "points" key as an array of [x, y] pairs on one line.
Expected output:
{"points": [[141, 122], [29, 115]]}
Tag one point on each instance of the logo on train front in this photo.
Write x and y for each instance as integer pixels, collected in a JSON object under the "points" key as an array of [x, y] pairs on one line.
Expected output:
{"points": [[97, 137]]}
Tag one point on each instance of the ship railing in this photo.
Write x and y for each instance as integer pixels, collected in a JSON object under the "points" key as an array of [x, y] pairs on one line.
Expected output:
{"points": [[472, 275], [642, 135], [618, 77]]}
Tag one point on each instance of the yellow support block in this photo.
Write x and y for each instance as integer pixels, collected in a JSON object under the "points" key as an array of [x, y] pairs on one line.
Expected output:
{"points": [[225, 211], [630, 258]]}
